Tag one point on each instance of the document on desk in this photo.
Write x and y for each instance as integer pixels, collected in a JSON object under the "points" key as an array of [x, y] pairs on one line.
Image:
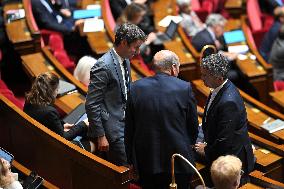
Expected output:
{"points": [[240, 49], [93, 25], [165, 22], [273, 126]]}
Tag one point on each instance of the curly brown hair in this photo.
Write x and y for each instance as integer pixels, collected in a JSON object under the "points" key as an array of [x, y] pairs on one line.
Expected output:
{"points": [[43, 89]]}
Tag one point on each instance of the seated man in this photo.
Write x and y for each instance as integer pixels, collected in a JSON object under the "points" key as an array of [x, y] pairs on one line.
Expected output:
{"points": [[191, 23], [213, 35], [50, 16], [226, 172], [277, 57]]}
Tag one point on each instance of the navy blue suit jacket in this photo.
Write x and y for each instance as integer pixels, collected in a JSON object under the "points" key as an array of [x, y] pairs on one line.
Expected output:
{"points": [[203, 38], [225, 127], [161, 119]]}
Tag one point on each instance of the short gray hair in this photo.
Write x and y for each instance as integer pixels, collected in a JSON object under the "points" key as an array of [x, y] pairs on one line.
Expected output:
{"points": [[215, 19], [216, 64], [183, 2], [165, 63]]}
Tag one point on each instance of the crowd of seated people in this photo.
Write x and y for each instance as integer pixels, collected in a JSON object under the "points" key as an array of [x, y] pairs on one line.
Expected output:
{"points": [[39, 105], [190, 23], [225, 171]]}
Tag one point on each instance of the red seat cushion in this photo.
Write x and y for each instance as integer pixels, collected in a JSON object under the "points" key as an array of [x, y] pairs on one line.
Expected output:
{"points": [[109, 15], [9, 94], [3, 85], [278, 85], [254, 15], [63, 58], [56, 42]]}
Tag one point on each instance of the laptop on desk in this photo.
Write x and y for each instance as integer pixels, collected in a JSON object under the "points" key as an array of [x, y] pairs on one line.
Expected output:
{"points": [[65, 88], [168, 35], [77, 115]]}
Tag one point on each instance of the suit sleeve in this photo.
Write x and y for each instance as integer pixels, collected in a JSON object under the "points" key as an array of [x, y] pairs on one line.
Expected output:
{"points": [[129, 129], [98, 85], [228, 119], [192, 117], [57, 126]]}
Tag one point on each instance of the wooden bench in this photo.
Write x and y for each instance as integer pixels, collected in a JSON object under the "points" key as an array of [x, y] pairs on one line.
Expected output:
{"points": [[25, 171], [54, 158]]}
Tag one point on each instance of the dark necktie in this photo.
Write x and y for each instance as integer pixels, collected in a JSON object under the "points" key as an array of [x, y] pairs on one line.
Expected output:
{"points": [[126, 75]]}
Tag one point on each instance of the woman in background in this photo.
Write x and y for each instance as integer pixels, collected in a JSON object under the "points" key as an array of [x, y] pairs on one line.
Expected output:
{"points": [[83, 68], [39, 105], [8, 179]]}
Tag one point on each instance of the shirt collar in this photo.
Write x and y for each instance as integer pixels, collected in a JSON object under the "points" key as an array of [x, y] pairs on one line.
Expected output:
{"points": [[216, 90], [120, 59], [211, 33]]}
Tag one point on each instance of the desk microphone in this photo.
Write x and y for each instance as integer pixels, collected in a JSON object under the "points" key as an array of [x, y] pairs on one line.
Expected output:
{"points": [[173, 185]]}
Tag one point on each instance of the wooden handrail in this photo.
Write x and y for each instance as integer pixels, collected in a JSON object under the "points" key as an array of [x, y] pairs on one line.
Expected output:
{"points": [[52, 156]]}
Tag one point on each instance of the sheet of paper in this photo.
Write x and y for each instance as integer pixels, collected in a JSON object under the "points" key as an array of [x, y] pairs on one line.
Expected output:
{"points": [[93, 25], [94, 6], [165, 22]]}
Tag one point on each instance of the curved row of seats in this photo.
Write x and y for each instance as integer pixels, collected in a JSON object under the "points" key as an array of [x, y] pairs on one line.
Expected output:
{"points": [[72, 151]]}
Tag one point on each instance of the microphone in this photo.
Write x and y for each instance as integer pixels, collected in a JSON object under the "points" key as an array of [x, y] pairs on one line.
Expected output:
{"points": [[173, 185]]}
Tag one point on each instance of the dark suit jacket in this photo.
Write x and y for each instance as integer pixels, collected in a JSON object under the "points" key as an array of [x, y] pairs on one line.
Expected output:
{"points": [[225, 127], [161, 119], [47, 20], [49, 117], [106, 98], [203, 38]]}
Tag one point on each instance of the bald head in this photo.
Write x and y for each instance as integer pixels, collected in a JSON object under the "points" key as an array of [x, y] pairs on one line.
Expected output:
{"points": [[164, 61]]}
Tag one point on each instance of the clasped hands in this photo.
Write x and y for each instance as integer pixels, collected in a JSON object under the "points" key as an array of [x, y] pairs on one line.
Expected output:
{"points": [[199, 148]]}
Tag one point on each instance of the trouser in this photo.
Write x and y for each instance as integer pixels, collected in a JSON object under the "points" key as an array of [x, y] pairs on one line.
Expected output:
{"points": [[163, 180]]}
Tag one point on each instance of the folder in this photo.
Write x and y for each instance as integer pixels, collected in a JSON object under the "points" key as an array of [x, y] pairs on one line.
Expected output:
{"points": [[80, 14]]}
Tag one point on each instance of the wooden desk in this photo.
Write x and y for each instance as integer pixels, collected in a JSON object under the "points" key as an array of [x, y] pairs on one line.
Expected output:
{"points": [[19, 34], [99, 42], [35, 64], [278, 98], [234, 7], [251, 186], [269, 163], [69, 102], [188, 69]]}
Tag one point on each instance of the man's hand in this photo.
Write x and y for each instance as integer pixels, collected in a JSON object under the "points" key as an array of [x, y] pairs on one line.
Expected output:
{"points": [[86, 121], [67, 127], [65, 12], [140, 1], [199, 148], [103, 144]]}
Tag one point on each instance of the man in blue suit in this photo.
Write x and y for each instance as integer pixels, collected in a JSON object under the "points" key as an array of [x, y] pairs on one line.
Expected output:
{"points": [[224, 122], [161, 119], [107, 93]]}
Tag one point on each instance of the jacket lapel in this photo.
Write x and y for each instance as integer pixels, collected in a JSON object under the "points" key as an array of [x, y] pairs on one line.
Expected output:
{"points": [[218, 96], [118, 73]]}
